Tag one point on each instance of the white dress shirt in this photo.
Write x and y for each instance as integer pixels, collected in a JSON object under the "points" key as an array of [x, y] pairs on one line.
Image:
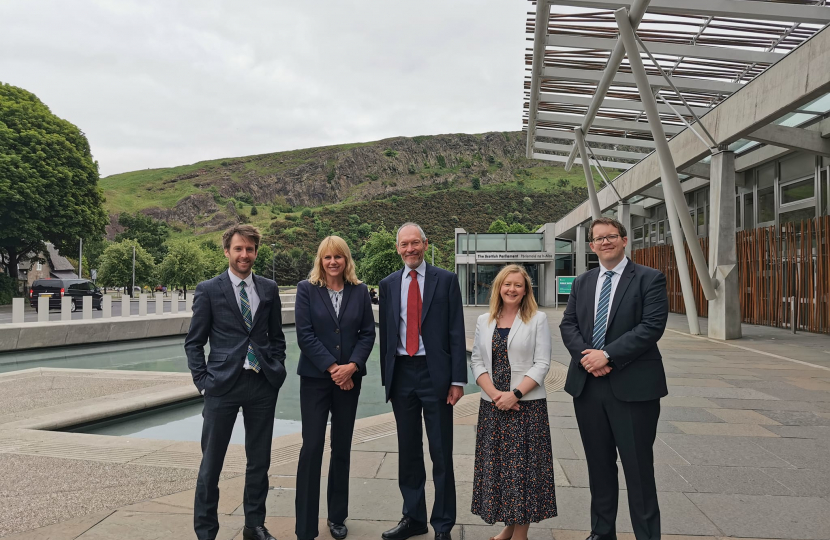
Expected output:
{"points": [[253, 298], [615, 280], [405, 281]]}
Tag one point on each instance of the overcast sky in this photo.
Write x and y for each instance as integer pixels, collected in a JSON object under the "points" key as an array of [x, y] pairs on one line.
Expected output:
{"points": [[164, 83]]}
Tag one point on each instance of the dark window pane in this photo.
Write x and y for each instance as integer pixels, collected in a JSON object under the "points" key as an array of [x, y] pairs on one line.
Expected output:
{"points": [[798, 191], [823, 185], [738, 212], [766, 176], [798, 166], [749, 212], [796, 216], [766, 205]]}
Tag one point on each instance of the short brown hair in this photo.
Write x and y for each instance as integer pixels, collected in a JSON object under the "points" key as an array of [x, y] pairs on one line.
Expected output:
{"points": [[247, 231], [606, 221]]}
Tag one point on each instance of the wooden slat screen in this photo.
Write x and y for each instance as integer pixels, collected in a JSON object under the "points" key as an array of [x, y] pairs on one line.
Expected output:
{"points": [[775, 265]]}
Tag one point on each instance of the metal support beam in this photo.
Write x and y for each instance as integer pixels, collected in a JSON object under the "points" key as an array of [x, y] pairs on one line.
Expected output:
{"points": [[602, 139], [541, 30], [598, 151], [622, 125], [673, 49], [609, 103], [792, 138], [725, 310], [733, 9], [589, 177], [670, 181], [563, 159], [592, 76]]}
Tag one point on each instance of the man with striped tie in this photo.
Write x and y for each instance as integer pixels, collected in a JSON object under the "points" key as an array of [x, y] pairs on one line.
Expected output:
{"points": [[616, 314], [240, 313]]}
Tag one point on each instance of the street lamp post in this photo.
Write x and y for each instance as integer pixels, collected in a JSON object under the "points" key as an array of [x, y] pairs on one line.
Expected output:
{"points": [[133, 289]]}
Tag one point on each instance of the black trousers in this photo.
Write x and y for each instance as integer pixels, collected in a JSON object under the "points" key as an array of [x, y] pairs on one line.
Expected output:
{"points": [[608, 425], [318, 398], [412, 395], [258, 399]]}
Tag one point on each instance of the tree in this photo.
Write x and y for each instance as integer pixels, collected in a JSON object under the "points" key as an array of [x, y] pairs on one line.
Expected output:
{"points": [[498, 226], [292, 266], [116, 265], [517, 227], [213, 257], [182, 266], [264, 261], [380, 258], [48, 181], [150, 233]]}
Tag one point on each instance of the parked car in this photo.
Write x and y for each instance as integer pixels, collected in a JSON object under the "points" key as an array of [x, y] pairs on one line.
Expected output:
{"points": [[73, 288]]}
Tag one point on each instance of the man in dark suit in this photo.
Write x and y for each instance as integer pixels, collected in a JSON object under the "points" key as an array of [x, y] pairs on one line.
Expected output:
{"points": [[240, 314], [423, 364], [616, 314]]}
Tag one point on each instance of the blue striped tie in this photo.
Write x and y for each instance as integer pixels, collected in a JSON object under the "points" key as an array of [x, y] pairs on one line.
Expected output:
{"points": [[249, 322], [602, 312]]}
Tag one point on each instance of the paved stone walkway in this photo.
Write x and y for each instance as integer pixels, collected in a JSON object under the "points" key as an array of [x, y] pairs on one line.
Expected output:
{"points": [[742, 451]]}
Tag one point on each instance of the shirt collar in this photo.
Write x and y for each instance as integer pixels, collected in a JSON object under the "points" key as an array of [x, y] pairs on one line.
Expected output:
{"points": [[422, 269], [617, 269], [249, 281]]}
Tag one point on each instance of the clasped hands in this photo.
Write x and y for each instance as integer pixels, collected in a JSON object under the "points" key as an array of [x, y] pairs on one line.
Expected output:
{"points": [[595, 362], [342, 375], [506, 401]]}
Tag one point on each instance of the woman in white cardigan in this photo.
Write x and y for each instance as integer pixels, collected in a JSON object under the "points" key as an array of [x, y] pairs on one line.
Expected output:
{"points": [[513, 480]]}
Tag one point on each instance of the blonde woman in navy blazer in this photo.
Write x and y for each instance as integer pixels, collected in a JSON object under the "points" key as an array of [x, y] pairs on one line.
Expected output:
{"points": [[335, 332], [513, 474]]}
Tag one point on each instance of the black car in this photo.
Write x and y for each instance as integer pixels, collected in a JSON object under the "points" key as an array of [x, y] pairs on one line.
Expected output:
{"points": [[73, 288]]}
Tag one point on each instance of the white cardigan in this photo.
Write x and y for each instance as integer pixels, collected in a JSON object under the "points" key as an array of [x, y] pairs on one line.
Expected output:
{"points": [[528, 349]]}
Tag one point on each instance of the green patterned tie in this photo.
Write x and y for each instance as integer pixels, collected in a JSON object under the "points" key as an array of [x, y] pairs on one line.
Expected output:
{"points": [[249, 321]]}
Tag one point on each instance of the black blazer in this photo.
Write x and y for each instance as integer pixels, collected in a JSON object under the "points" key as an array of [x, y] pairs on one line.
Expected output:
{"points": [[639, 311], [442, 329], [217, 317], [327, 339]]}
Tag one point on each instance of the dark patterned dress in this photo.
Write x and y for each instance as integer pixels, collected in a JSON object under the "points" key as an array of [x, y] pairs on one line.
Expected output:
{"points": [[513, 480]]}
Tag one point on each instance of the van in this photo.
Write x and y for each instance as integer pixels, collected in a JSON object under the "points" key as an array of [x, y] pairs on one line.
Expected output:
{"points": [[76, 289]]}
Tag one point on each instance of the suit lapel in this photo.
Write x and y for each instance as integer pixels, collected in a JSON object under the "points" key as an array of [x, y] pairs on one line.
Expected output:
{"points": [[430, 283], [347, 292], [591, 284], [625, 280], [515, 329], [324, 297], [395, 293], [230, 297]]}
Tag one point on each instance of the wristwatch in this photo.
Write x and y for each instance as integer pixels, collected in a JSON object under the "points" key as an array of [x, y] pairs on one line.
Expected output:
{"points": [[517, 393], [606, 355]]}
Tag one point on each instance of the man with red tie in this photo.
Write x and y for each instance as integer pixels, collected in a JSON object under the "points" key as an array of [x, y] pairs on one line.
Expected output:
{"points": [[423, 366]]}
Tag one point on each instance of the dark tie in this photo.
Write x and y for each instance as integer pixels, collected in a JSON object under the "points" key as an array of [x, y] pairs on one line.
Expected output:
{"points": [[413, 315], [249, 322], [601, 324]]}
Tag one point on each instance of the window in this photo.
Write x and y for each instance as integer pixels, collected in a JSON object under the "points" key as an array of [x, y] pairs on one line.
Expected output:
{"points": [[766, 194], [798, 191], [797, 216], [661, 232], [702, 202], [798, 166], [638, 233], [738, 212], [823, 186], [749, 212], [39, 266]]}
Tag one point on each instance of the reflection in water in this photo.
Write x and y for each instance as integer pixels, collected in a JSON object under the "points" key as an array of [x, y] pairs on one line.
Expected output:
{"points": [[184, 422]]}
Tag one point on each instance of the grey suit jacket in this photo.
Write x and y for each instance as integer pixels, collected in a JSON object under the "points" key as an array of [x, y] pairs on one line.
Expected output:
{"points": [[217, 317]]}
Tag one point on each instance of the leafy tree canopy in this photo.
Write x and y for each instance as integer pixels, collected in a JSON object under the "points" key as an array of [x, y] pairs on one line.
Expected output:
{"points": [[379, 257], [264, 259], [150, 233], [48, 181], [182, 266], [116, 265], [498, 226]]}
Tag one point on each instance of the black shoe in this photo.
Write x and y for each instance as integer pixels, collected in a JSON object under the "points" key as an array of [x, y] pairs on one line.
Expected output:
{"points": [[599, 537], [338, 530], [443, 536], [256, 533], [404, 529]]}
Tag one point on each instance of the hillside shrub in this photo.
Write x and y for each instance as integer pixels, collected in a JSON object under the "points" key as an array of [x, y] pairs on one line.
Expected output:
{"points": [[306, 212], [254, 211], [411, 169], [476, 181], [244, 197], [372, 176], [442, 161], [390, 153]]}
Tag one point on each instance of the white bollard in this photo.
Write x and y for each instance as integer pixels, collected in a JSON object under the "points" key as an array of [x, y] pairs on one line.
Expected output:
{"points": [[188, 304], [106, 306], [159, 304], [142, 305], [87, 308], [174, 303], [43, 308], [17, 310], [66, 308], [125, 305]]}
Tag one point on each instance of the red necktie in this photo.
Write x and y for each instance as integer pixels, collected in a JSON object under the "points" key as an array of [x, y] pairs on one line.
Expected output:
{"points": [[413, 315]]}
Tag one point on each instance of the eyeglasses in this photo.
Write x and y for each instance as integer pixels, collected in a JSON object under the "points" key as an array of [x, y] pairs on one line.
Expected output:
{"points": [[601, 239], [415, 244]]}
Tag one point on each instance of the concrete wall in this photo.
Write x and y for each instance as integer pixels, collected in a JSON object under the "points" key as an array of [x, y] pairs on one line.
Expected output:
{"points": [[37, 335]]}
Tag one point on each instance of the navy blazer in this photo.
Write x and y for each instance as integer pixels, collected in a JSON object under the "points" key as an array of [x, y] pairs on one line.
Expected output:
{"points": [[638, 316], [217, 317], [326, 338], [442, 329]]}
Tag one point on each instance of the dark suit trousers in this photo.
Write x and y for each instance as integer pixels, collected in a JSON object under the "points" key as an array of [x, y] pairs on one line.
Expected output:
{"points": [[413, 394], [258, 399], [607, 425], [318, 397]]}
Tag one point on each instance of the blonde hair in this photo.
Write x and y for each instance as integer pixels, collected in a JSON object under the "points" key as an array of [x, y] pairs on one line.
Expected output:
{"points": [[528, 307], [336, 246]]}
